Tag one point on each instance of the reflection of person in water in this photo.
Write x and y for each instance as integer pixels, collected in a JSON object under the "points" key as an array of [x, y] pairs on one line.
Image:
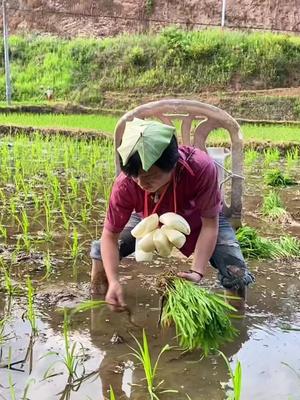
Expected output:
{"points": [[159, 176]]}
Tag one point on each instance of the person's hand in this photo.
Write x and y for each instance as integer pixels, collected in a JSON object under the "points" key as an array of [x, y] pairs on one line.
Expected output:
{"points": [[115, 297], [191, 275]]}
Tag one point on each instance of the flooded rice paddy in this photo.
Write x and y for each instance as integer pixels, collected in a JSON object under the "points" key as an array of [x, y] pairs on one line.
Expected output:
{"points": [[53, 195]]}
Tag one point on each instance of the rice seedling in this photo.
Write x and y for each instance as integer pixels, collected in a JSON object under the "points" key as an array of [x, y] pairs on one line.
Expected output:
{"points": [[48, 265], [2, 198], [256, 247], [271, 155], [72, 359], [272, 208], [65, 218], [286, 247], [55, 189], [3, 335], [49, 219], [292, 157], [142, 353], [10, 287], [10, 378], [3, 232], [30, 312], [251, 156], [87, 306], [84, 214], [73, 183], [24, 225], [111, 393], [236, 378], [201, 318], [276, 178], [75, 249]]}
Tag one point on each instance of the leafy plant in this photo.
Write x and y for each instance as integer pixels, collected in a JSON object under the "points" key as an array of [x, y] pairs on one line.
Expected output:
{"points": [[201, 318], [142, 353]]}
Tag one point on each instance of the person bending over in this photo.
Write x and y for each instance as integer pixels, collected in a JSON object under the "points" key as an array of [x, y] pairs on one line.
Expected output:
{"points": [[158, 176]]}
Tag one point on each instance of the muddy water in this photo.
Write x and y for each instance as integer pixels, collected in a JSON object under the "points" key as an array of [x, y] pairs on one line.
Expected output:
{"points": [[267, 346]]}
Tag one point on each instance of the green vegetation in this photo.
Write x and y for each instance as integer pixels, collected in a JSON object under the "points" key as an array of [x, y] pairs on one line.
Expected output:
{"points": [[106, 123], [236, 378], [95, 122], [142, 353], [273, 208], [174, 60], [271, 156], [30, 313], [200, 317], [111, 394], [274, 177], [254, 246]]}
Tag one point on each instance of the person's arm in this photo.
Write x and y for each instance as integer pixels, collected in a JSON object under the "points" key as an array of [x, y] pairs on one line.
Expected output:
{"points": [[206, 243], [110, 258], [204, 248]]}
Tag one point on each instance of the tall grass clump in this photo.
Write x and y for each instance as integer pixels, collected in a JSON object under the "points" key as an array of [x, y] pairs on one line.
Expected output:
{"points": [[251, 157], [201, 318], [274, 177], [256, 247], [273, 208], [292, 157], [271, 155]]}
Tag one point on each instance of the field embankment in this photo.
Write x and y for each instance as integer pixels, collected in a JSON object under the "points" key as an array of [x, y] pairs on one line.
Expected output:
{"points": [[119, 72]]}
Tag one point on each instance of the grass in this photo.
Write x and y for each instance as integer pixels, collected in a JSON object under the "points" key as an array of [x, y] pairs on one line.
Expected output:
{"points": [[201, 318], [174, 60], [105, 123], [96, 122]]}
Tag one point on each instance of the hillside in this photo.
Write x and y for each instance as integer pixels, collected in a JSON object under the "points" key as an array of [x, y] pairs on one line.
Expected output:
{"points": [[111, 17]]}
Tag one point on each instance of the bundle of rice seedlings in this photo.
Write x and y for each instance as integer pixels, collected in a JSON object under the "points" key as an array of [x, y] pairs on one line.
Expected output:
{"points": [[274, 177], [252, 245], [287, 247], [201, 318], [273, 209], [256, 247]]}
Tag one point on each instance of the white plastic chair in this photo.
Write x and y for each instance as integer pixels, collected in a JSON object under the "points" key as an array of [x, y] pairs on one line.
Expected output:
{"points": [[207, 119]]}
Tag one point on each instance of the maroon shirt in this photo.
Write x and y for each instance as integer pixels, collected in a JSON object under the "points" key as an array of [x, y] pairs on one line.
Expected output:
{"points": [[197, 195]]}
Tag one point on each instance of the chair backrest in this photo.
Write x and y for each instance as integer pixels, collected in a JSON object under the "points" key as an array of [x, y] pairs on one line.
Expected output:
{"points": [[207, 118]]}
